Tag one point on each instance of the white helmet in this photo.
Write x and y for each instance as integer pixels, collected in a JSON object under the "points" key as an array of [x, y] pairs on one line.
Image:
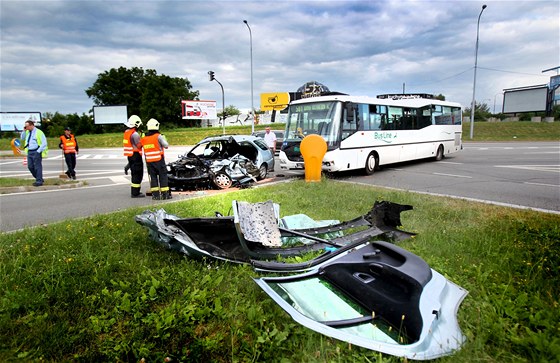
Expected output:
{"points": [[134, 121], [153, 124]]}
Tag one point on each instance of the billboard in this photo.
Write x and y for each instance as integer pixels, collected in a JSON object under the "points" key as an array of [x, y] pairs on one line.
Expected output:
{"points": [[196, 110], [103, 115], [274, 101], [525, 99], [13, 121]]}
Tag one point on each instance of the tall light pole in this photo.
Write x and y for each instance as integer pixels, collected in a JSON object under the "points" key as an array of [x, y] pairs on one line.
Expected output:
{"points": [[251, 48], [213, 78], [473, 103]]}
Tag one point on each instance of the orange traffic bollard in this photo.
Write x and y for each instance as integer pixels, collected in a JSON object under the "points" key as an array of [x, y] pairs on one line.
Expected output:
{"points": [[313, 148]]}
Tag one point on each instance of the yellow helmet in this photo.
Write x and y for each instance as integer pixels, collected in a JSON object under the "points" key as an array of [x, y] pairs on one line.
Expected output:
{"points": [[153, 124], [134, 121]]}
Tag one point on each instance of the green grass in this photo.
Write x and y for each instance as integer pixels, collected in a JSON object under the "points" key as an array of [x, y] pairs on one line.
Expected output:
{"points": [[187, 136], [512, 131], [483, 131], [16, 182], [99, 289]]}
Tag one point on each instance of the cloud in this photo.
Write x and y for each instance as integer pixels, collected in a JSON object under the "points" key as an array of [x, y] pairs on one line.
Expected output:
{"points": [[52, 51]]}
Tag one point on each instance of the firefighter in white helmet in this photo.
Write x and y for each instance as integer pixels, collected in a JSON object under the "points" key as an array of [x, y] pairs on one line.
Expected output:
{"points": [[133, 151], [154, 144]]}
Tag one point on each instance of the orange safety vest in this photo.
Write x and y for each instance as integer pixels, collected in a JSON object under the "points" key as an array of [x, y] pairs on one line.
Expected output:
{"points": [[68, 145], [129, 149], [152, 149]]}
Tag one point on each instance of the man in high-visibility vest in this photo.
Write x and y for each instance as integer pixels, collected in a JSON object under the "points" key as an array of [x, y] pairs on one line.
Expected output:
{"points": [[36, 148], [69, 146], [133, 151], [154, 143]]}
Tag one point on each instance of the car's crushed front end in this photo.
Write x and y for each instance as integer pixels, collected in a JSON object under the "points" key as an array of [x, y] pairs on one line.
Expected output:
{"points": [[191, 172]]}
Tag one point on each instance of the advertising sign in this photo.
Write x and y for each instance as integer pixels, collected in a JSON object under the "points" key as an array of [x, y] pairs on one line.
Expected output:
{"points": [[103, 115], [13, 121], [274, 101], [196, 110]]}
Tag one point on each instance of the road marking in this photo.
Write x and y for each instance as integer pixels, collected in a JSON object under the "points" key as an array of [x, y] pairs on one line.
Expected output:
{"points": [[552, 168], [517, 206], [542, 184], [454, 176], [541, 152], [120, 179], [449, 162]]}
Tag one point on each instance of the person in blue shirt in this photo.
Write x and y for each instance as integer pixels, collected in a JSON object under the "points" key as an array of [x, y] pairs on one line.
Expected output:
{"points": [[35, 146]]}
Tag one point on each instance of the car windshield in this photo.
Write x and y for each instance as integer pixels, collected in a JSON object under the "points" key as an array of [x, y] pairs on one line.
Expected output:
{"points": [[207, 149]]}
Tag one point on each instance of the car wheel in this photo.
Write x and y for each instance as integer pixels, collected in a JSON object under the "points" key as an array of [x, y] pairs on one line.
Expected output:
{"points": [[263, 171], [222, 181]]}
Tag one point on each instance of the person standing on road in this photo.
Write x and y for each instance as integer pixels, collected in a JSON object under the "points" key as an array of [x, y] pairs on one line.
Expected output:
{"points": [[69, 145], [133, 151], [36, 148], [270, 139], [154, 144]]}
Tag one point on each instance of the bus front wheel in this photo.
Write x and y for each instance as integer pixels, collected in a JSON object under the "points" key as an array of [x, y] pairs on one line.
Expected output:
{"points": [[372, 162], [439, 153]]}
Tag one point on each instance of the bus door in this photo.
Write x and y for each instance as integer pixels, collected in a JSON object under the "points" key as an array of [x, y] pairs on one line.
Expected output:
{"points": [[348, 129]]}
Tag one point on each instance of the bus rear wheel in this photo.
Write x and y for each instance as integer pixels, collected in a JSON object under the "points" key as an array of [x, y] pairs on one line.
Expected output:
{"points": [[372, 162], [439, 153]]}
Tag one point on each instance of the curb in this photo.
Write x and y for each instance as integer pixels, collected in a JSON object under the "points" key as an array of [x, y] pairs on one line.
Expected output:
{"points": [[30, 188]]}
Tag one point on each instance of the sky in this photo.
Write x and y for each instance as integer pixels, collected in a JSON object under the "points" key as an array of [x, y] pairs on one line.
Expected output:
{"points": [[52, 51]]}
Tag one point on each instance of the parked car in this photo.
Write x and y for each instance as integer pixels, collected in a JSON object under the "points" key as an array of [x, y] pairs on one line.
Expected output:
{"points": [[221, 162], [279, 137]]}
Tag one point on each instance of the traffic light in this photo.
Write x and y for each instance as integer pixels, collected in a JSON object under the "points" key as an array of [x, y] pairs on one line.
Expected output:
{"points": [[211, 74]]}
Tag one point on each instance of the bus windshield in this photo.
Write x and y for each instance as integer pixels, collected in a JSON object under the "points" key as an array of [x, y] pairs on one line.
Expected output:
{"points": [[321, 118]]}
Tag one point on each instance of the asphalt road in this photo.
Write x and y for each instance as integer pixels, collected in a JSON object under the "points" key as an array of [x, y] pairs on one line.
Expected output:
{"points": [[518, 174], [513, 174]]}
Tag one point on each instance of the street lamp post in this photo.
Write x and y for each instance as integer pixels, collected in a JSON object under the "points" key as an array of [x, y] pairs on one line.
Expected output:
{"points": [[251, 49], [213, 78], [473, 104]]}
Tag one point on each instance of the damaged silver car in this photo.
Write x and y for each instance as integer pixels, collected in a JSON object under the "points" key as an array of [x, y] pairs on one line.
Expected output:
{"points": [[221, 162]]}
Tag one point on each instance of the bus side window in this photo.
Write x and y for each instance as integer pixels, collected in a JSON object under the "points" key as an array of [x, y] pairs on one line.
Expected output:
{"points": [[424, 118]]}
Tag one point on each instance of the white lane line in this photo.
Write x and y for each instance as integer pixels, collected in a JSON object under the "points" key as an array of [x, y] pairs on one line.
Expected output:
{"points": [[542, 184], [449, 162], [541, 153], [454, 176], [463, 198], [552, 168]]}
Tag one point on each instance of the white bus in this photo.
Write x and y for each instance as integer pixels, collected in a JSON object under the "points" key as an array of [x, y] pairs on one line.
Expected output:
{"points": [[366, 132]]}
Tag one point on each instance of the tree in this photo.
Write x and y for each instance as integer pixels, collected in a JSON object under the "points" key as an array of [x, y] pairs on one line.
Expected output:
{"points": [[53, 124], [481, 111], [144, 92], [230, 110]]}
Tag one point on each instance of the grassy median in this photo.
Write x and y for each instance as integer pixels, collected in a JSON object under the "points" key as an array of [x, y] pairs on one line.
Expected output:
{"points": [[483, 131], [99, 289]]}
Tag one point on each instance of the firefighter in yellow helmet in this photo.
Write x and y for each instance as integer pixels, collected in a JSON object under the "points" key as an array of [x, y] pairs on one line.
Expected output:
{"points": [[154, 144], [133, 151]]}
